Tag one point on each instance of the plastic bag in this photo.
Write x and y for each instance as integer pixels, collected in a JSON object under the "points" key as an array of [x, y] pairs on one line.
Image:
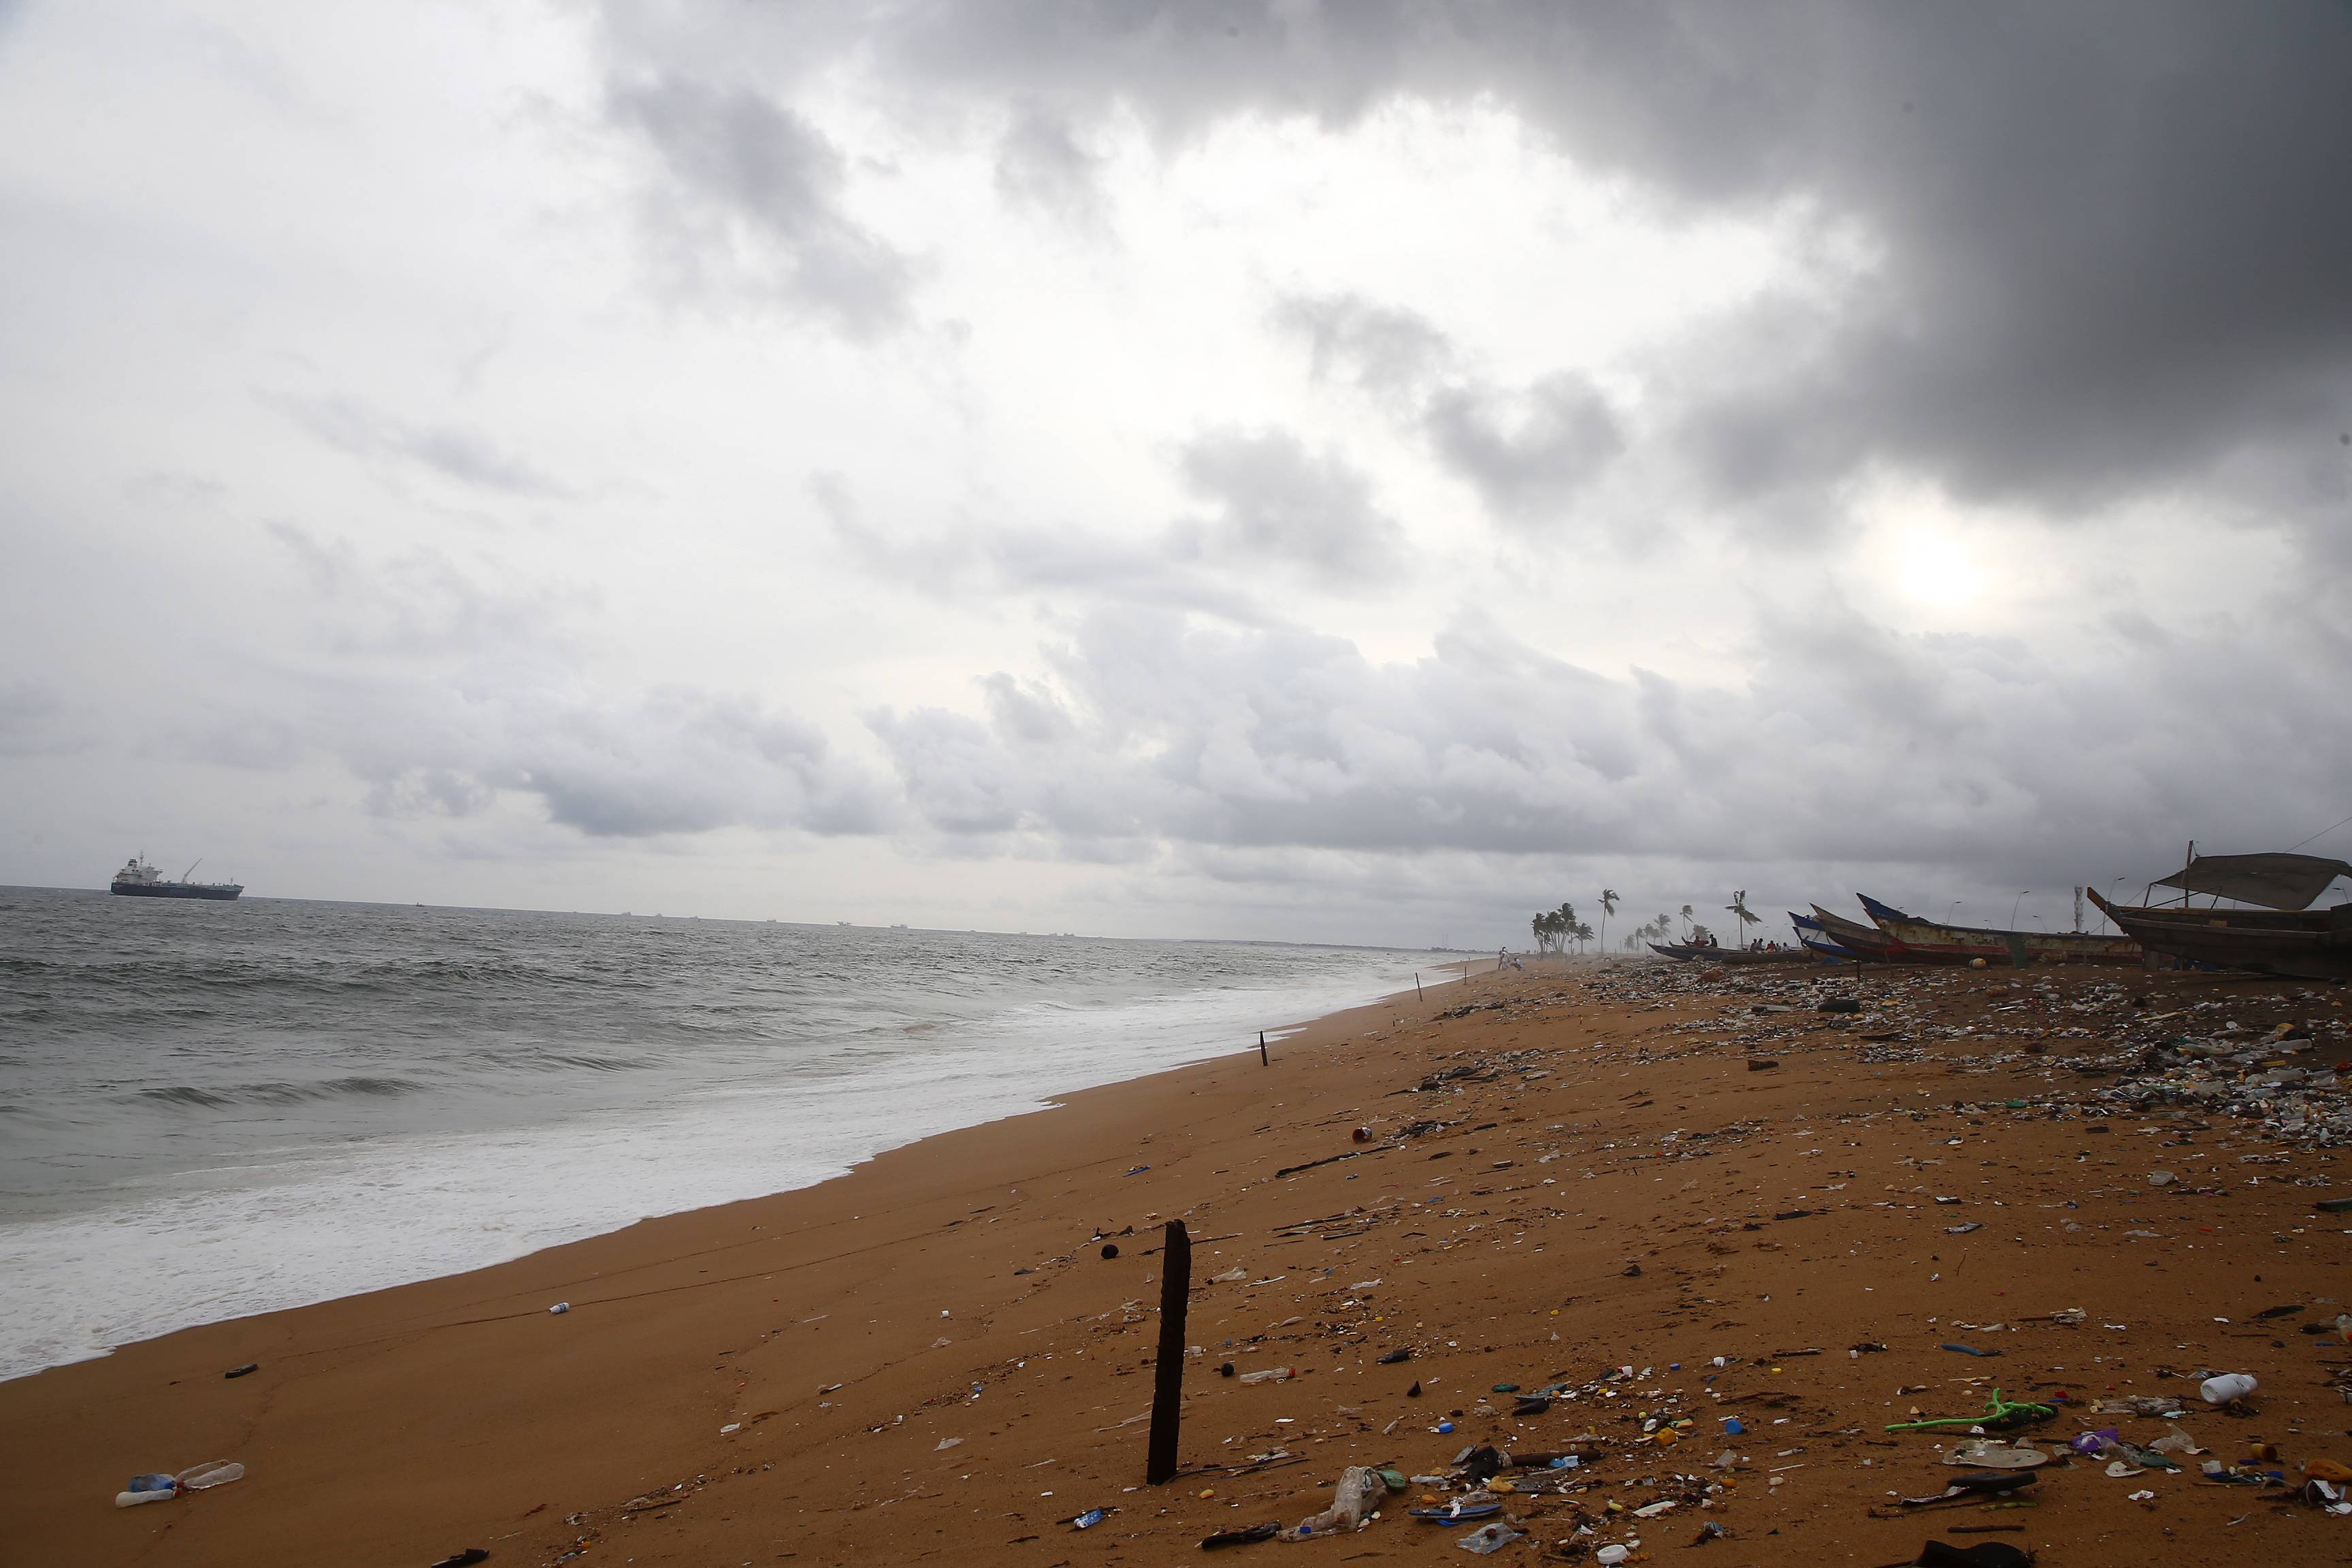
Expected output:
{"points": [[1488, 1538], [1359, 1491]]}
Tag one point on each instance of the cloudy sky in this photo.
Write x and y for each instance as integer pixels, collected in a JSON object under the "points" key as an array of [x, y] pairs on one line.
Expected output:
{"points": [[1348, 471]]}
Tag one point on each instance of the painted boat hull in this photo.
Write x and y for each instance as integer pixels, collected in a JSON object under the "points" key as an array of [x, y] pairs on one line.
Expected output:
{"points": [[1963, 944], [1870, 944]]}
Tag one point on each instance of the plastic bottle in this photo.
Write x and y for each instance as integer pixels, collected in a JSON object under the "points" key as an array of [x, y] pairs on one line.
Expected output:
{"points": [[1270, 1374], [2228, 1386], [211, 1473]]}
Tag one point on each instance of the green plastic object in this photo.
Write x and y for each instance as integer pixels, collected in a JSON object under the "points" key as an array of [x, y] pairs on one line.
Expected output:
{"points": [[1999, 1414]]}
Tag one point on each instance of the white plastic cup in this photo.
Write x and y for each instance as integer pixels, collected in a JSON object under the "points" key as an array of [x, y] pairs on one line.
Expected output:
{"points": [[2228, 1386], [1610, 1556]]}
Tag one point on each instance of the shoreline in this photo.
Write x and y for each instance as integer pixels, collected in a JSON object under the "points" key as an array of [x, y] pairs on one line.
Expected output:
{"points": [[928, 1355], [227, 1185]]}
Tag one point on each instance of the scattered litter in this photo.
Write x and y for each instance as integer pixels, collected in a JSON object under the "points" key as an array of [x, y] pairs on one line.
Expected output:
{"points": [[1489, 1539], [1353, 1500]]}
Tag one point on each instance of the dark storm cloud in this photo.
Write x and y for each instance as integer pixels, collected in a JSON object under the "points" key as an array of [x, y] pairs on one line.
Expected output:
{"points": [[2111, 239], [1391, 354], [1528, 453], [35, 723], [748, 196], [1279, 502], [451, 451], [442, 686], [1273, 505], [1040, 165], [1853, 744], [1527, 456]]}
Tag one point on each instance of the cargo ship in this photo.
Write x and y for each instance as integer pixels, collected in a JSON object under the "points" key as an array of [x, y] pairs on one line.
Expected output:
{"points": [[138, 879]]}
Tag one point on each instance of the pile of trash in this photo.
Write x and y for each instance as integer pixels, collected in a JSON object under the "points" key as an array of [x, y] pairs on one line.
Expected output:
{"points": [[2251, 1077]]}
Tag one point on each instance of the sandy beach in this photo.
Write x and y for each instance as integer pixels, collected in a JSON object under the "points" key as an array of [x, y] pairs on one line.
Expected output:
{"points": [[1586, 1170]]}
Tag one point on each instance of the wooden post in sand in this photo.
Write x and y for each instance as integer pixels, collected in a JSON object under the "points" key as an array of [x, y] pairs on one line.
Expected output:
{"points": [[1263, 1059], [1168, 1388]]}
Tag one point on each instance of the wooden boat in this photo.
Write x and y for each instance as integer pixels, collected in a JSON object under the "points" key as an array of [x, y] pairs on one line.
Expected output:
{"points": [[1815, 938], [1937, 941], [1687, 953], [1869, 943], [2279, 938]]}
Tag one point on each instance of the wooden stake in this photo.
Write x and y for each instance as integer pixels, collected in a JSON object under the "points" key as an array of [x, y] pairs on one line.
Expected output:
{"points": [[1263, 1059], [1167, 1386]]}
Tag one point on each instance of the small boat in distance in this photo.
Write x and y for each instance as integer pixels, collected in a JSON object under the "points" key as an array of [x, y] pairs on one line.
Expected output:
{"points": [[138, 879]]}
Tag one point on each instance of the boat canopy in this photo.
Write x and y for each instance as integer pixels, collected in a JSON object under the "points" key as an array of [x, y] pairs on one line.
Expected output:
{"points": [[2276, 881]]}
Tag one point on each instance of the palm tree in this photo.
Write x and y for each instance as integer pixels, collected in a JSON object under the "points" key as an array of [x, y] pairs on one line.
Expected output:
{"points": [[1608, 908], [1686, 919], [1740, 911]]}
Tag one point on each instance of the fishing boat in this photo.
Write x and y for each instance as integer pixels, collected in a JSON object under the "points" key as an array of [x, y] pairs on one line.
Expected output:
{"points": [[1871, 944], [2282, 936], [1814, 936], [1934, 941], [1688, 951]]}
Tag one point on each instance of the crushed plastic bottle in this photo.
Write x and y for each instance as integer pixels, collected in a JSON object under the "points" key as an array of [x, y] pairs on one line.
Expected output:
{"points": [[1270, 1374]]}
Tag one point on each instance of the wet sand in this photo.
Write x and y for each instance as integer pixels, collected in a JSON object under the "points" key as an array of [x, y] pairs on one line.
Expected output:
{"points": [[929, 1357]]}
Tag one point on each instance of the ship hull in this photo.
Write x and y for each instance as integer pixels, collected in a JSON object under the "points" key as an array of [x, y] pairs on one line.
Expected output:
{"points": [[1689, 954], [218, 892], [2306, 945], [1936, 942]]}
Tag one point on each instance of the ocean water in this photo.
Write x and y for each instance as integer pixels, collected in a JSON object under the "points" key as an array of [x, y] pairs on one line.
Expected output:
{"points": [[213, 1110]]}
